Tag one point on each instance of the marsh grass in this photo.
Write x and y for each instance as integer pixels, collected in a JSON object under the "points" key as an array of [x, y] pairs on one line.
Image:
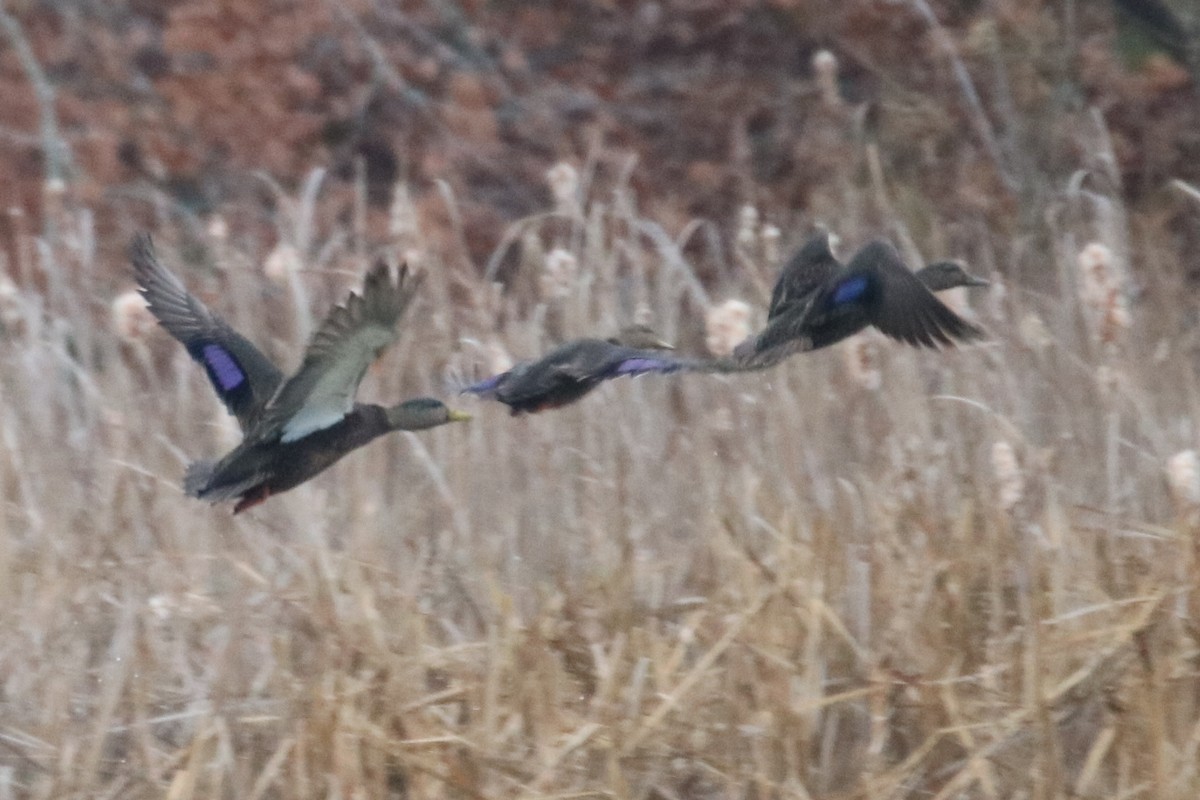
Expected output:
{"points": [[779, 584]]}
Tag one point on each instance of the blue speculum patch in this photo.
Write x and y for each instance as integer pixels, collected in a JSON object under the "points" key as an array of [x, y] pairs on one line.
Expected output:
{"points": [[638, 365], [227, 372], [485, 385], [851, 290]]}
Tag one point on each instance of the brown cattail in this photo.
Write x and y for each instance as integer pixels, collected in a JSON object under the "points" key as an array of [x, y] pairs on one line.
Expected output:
{"points": [[861, 356], [1116, 316], [1101, 293], [1095, 274], [725, 326]]}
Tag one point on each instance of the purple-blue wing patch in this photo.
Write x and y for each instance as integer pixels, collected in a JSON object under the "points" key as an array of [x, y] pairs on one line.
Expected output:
{"points": [[485, 386], [639, 365], [223, 368], [850, 290]]}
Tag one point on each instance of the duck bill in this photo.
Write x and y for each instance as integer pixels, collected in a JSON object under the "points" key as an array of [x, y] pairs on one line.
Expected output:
{"points": [[459, 416], [973, 281]]}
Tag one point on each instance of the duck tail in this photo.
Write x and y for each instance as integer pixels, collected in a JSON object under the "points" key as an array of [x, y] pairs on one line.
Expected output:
{"points": [[196, 479]]}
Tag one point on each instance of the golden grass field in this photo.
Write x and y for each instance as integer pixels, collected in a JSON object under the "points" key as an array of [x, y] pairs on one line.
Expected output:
{"points": [[964, 577]]}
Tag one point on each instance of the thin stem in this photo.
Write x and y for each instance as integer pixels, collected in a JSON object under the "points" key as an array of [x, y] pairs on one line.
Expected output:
{"points": [[58, 156]]}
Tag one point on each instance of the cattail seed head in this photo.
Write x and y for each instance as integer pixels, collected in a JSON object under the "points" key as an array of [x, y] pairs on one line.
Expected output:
{"points": [[161, 607], [564, 185], [1101, 292], [402, 214], [218, 228], [228, 432], [131, 316], [560, 274], [1116, 316], [643, 315], [1010, 480], [1095, 273], [281, 262], [825, 65], [770, 235], [12, 312], [725, 326], [414, 257], [861, 357], [1034, 333], [498, 358], [747, 230], [1109, 381], [1183, 478]]}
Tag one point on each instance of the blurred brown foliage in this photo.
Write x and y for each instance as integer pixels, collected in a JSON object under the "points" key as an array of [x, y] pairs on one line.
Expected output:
{"points": [[717, 100]]}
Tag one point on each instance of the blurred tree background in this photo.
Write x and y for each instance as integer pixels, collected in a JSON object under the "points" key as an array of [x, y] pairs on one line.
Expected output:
{"points": [[976, 112]]}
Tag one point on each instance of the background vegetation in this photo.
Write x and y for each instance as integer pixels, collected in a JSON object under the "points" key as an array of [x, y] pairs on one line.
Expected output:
{"points": [[870, 572]]}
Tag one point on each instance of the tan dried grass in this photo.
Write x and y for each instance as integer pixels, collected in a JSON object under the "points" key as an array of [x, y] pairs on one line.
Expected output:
{"points": [[695, 586]]}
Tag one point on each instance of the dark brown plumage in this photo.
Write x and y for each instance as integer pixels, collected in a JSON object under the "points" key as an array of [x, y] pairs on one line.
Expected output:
{"points": [[575, 368], [817, 301], [295, 428], [240, 374]]}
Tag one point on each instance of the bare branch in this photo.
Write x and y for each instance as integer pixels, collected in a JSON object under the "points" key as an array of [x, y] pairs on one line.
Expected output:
{"points": [[59, 165]]}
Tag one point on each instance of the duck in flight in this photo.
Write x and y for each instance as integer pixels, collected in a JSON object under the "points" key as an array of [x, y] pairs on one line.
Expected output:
{"points": [[571, 370], [295, 427], [818, 301]]}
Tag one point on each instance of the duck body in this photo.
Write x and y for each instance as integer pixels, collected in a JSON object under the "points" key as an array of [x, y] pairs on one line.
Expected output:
{"points": [[573, 369], [817, 302], [255, 470], [296, 427]]}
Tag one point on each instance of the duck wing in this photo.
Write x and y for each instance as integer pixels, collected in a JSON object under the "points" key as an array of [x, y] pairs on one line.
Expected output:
{"points": [[240, 374], [895, 299], [810, 268], [322, 391], [564, 374], [586, 359], [598, 360], [573, 369]]}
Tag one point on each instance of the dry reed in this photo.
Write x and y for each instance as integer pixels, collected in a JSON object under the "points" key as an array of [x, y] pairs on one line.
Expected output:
{"points": [[765, 585]]}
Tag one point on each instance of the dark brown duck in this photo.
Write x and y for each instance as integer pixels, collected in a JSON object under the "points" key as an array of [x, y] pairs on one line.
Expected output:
{"points": [[571, 370], [292, 428], [817, 301]]}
